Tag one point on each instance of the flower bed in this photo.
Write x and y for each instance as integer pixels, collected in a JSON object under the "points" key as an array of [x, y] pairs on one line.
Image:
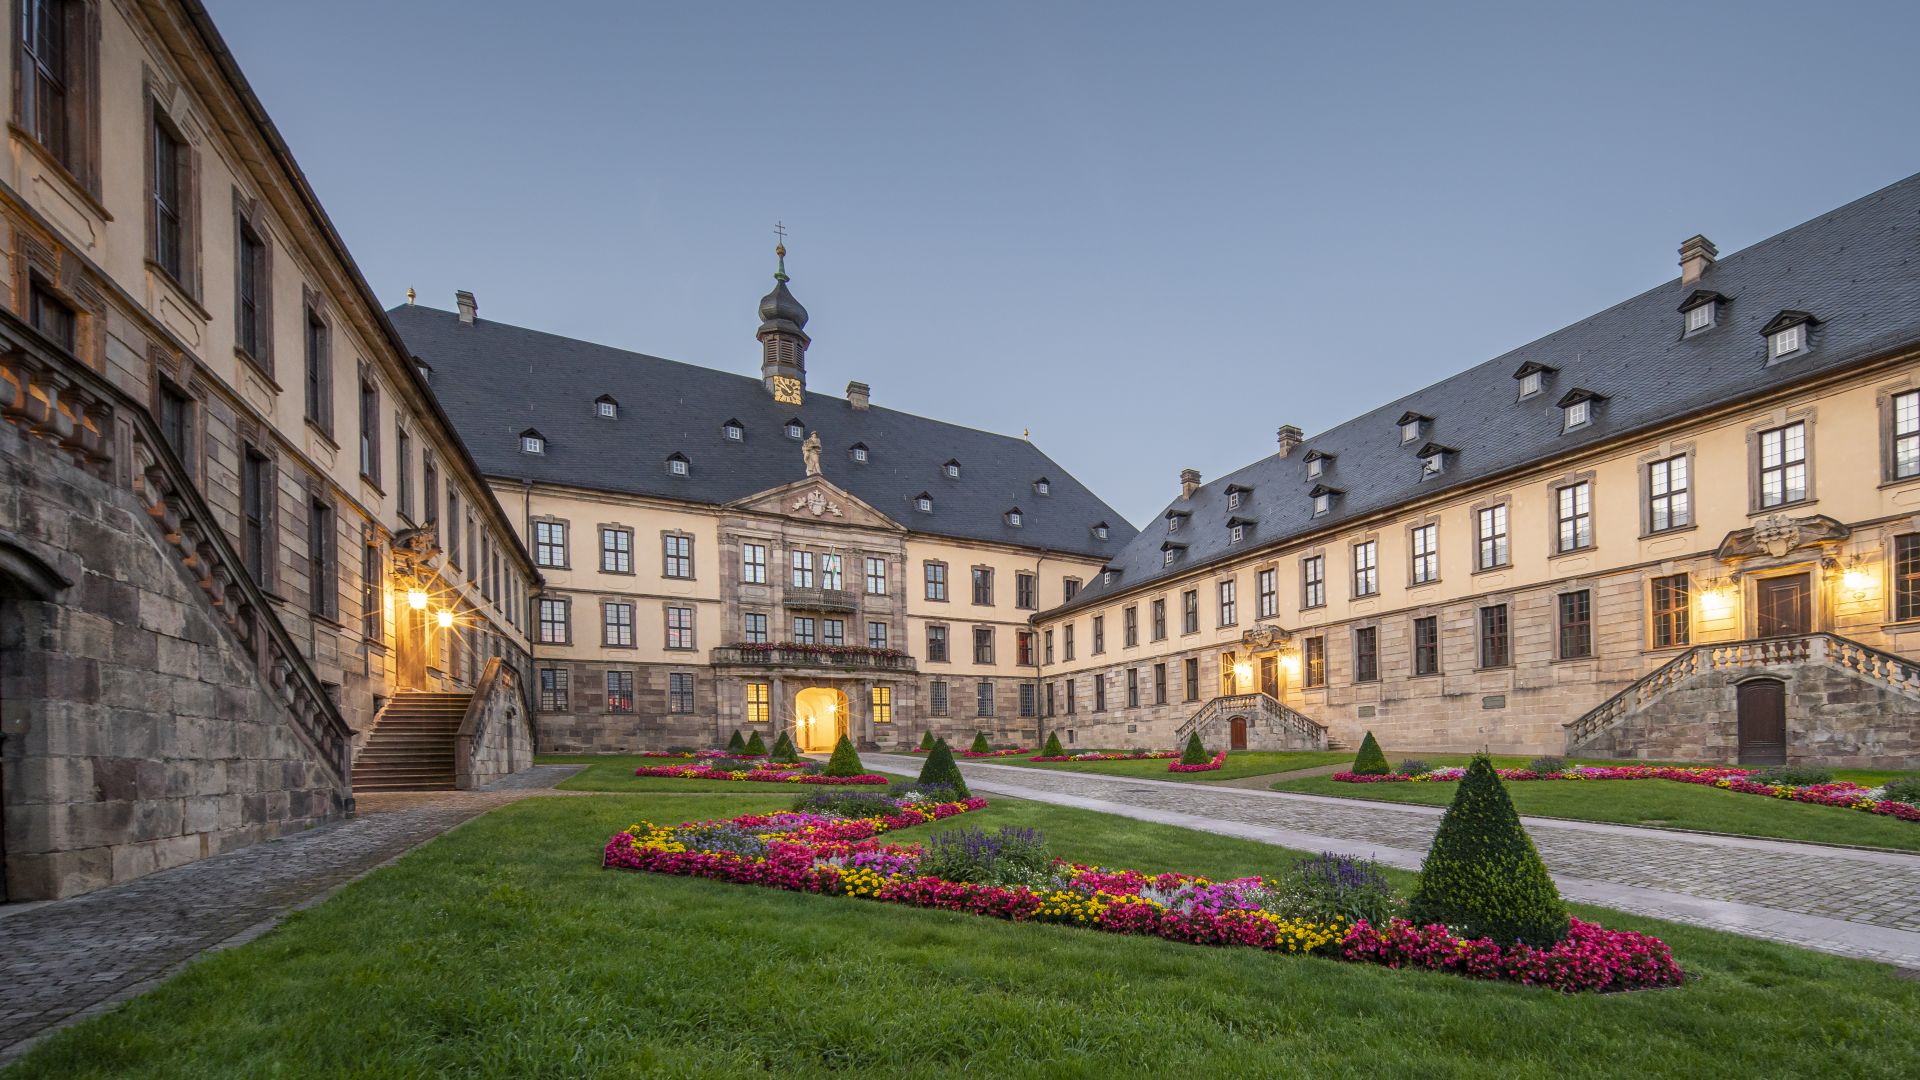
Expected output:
{"points": [[1219, 759], [759, 774], [681, 755], [1015, 751], [838, 856], [1143, 755], [1843, 793]]}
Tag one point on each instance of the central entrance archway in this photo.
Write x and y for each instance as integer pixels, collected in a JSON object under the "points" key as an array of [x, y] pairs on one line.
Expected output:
{"points": [[819, 719]]}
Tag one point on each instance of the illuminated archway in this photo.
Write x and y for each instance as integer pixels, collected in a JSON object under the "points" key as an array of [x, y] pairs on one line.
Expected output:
{"points": [[819, 719]]}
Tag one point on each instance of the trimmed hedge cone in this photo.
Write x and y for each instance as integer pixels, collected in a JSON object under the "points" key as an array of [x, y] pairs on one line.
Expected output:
{"points": [[845, 762], [1053, 747], [926, 740], [942, 769], [1483, 877], [1370, 761], [980, 744], [736, 745], [783, 749], [756, 745], [1196, 752]]}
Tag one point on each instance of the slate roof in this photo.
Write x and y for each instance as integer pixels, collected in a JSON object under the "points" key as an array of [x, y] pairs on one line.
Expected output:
{"points": [[1857, 269], [496, 381]]}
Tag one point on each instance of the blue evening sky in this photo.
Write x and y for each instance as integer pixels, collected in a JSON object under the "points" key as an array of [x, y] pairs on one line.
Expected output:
{"points": [[1149, 232]]}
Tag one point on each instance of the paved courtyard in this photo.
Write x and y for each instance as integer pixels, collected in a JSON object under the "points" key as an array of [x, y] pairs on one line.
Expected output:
{"points": [[64, 960], [1855, 903]]}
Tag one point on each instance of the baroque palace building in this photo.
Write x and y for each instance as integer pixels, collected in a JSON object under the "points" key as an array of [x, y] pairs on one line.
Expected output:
{"points": [[224, 483], [726, 552], [1687, 527]]}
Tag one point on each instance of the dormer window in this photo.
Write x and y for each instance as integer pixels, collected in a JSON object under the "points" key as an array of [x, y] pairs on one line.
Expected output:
{"points": [[1413, 426], [1317, 463], [858, 452], [1787, 333], [1106, 577], [1237, 495], [733, 431], [1323, 497], [1532, 377], [1235, 533], [1701, 310], [1175, 519], [1100, 531], [923, 502], [951, 470], [1577, 408], [796, 429], [532, 442], [1433, 459], [1013, 517], [1170, 551], [605, 407], [677, 464], [1043, 486]]}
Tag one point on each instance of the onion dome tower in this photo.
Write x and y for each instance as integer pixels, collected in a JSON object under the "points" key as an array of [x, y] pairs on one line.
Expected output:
{"points": [[783, 338]]}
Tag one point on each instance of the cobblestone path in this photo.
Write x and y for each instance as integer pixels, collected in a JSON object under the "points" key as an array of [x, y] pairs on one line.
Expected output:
{"points": [[64, 960], [1857, 903]]}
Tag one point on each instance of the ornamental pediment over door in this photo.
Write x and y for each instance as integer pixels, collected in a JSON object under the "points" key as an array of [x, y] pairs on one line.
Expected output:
{"points": [[1778, 536], [817, 501], [1265, 636]]}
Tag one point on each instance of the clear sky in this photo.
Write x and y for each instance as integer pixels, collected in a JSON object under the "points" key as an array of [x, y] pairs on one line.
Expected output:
{"points": [[1151, 233]]}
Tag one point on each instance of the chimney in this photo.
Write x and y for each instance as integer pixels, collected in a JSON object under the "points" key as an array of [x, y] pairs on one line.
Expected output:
{"points": [[857, 393], [1189, 482], [1696, 255], [1289, 439], [468, 309]]}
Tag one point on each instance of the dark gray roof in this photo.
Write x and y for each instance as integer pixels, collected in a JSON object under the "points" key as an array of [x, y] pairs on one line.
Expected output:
{"points": [[497, 381], [1856, 270]]}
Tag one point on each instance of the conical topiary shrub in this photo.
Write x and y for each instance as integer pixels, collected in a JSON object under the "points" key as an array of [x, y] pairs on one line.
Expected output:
{"points": [[1053, 747], [980, 744], [844, 761], [926, 739], [756, 745], [1196, 751], [736, 745], [783, 749], [1370, 761], [942, 769], [1482, 877]]}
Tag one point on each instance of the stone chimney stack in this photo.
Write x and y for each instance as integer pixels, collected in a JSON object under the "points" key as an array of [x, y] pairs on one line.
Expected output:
{"points": [[1189, 482], [1290, 438], [1696, 256], [468, 309], [857, 394]]}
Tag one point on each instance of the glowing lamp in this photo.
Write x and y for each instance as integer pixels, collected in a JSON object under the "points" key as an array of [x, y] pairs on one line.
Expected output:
{"points": [[445, 618], [1856, 581], [417, 599], [1243, 671], [1716, 603], [1291, 663]]}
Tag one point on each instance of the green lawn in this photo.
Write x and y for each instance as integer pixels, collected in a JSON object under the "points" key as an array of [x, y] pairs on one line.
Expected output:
{"points": [[614, 772], [1664, 803], [504, 950], [1240, 763], [1869, 777]]}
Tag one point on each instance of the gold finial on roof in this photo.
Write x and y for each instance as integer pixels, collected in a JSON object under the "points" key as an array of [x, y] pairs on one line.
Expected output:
{"points": [[409, 294]]}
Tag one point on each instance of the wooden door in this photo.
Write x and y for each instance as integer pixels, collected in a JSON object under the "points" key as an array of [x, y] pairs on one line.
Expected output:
{"points": [[1762, 710], [410, 641], [1783, 606], [1270, 676], [1237, 733]]}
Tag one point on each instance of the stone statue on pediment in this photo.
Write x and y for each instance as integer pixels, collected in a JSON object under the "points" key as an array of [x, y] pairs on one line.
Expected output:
{"points": [[810, 450]]}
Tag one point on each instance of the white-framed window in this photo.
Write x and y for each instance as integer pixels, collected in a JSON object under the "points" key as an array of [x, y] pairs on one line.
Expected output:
{"points": [[1669, 499], [1783, 465], [1042, 487], [923, 504], [1491, 523], [1430, 465], [796, 430], [802, 569], [1578, 414], [1322, 503], [1013, 518], [1425, 544], [1530, 383], [1786, 340], [1173, 522], [1099, 532], [1701, 317], [607, 410], [952, 469], [876, 576], [532, 444], [1906, 434], [734, 432], [1410, 431], [860, 454], [753, 564], [1366, 568], [1575, 517], [1233, 500], [677, 465], [1166, 557], [1236, 533], [1313, 581]]}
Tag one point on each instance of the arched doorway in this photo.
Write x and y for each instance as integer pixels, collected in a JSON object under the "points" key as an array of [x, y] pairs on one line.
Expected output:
{"points": [[1237, 733], [24, 580], [819, 719], [1761, 706]]}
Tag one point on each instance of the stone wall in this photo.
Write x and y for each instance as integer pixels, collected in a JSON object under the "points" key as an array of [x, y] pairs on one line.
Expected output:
{"points": [[496, 738], [138, 733], [587, 726]]}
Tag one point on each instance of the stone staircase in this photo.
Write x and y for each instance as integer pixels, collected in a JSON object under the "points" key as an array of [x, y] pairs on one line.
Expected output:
{"points": [[1297, 730], [411, 747]]}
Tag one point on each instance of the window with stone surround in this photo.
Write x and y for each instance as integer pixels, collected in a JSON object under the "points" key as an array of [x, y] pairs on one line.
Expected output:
{"points": [[1573, 517], [1906, 577], [679, 627], [1066, 640], [1671, 607], [1494, 549], [753, 564], [1575, 637], [253, 285], [1099, 692], [1190, 611], [554, 629], [759, 702], [755, 628], [619, 691], [553, 689], [802, 630], [936, 643], [323, 588], [676, 555], [876, 635], [936, 574], [1099, 634], [1159, 609], [617, 619], [1366, 568], [256, 511], [983, 704], [1228, 602], [833, 632], [680, 692], [1366, 654], [983, 586], [318, 380], [1903, 436], [1783, 465], [1159, 684], [1426, 645], [1130, 626], [882, 698], [1313, 651], [616, 550], [802, 569], [1424, 545], [549, 540], [937, 697], [876, 576], [56, 65], [1267, 592], [1023, 647], [830, 577], [1190, 670], [1496, 639], [983, 645], [1669, 495], [1313, 582]]}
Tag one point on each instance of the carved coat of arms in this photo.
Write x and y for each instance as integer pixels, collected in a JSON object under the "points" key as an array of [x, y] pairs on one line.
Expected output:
{"points": [[815, 502], [1777, 534]]}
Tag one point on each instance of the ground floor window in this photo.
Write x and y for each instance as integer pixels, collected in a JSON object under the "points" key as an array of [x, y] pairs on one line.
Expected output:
{"points": [[619, 691], [1576, 624], [1028, 701], [937, 697], [553, 690], [680, 692], [1192, 672], [1316, 657], [1426, 645], [1496, 649], [759, 697], [1670, 612], [883, 704], [1906, 577], [1366, 654], [985, 699]]}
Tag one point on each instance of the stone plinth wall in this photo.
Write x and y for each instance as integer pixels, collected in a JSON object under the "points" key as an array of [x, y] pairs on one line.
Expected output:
{"points": [[1834, 717], [138, 733], [496, 738]]}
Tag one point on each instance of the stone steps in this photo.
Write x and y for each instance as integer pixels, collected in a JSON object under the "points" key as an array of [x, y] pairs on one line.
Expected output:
{"points": [[412, 747]]}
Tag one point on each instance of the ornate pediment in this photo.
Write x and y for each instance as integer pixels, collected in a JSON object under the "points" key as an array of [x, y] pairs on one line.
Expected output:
{"points": [[1778, 535], [816, 500], [417, 551], [1265, 636]]}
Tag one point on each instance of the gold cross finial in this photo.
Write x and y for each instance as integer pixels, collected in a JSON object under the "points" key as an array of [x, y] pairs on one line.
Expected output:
{"points": [[780, 249], [409, 294]]}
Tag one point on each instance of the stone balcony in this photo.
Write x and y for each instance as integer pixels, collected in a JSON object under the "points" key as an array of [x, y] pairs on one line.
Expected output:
{"points": [[820, 599], [814, 657]]}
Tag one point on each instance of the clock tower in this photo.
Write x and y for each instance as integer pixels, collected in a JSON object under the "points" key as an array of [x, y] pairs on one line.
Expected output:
{"points": [[783, 339]]}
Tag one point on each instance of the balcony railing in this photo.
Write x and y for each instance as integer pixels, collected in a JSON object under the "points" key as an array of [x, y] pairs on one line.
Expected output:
{"points": [[789, 655], [820, 599]]}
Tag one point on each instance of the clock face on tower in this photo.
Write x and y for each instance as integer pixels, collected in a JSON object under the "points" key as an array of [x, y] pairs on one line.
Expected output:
{"points": [[786, 389]]}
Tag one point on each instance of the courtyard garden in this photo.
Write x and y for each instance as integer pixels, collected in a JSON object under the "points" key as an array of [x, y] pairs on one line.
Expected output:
{"points": [[506, 949], [1238, 764]]}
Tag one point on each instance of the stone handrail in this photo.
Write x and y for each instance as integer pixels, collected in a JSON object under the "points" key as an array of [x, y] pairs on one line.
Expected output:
{"points": [[784, 656], [1820, 648], [1278, 716], [52, 395], [810, 599], [496, 696]]}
